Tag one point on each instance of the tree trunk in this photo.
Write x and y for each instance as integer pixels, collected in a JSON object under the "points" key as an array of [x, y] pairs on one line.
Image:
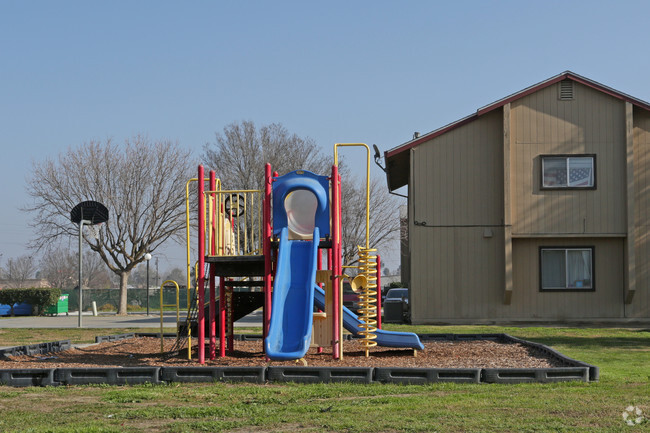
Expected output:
{"points": [[124, 279]]}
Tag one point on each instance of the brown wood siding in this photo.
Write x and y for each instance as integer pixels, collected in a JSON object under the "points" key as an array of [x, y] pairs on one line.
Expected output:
{"points": [[455, 195], [457, 199], [459, 176], [640, 306], [606, 301], [591, 123], [457, 274], [457, 279]]}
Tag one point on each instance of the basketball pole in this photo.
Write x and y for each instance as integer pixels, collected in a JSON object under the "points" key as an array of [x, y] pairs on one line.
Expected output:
{"points": [[81, 226], [96, 214]]}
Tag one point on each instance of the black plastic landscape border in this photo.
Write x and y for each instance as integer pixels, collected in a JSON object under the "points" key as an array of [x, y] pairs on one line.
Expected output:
{"points": [[570, 369], [36, 349]]}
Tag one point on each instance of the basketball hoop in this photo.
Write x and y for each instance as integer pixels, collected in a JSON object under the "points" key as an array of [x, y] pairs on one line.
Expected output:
{"points": [[89, 213]]}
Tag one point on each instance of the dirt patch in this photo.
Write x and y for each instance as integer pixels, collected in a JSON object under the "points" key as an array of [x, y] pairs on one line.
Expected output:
{"points": [[145, 351]]}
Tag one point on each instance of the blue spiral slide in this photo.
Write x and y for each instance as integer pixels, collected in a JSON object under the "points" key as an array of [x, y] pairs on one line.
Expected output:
{"points": [[294, 296], [384, 338]]}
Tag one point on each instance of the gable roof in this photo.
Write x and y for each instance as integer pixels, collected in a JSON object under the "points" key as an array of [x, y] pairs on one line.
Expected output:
{"points": [[397, 158]]}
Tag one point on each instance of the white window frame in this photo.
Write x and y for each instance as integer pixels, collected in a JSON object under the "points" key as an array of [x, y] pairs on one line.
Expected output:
{"points": [[566, 287], [567, 159]]}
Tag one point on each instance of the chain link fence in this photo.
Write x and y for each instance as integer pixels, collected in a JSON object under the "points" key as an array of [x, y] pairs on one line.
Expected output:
{"points": [[109, 299]]}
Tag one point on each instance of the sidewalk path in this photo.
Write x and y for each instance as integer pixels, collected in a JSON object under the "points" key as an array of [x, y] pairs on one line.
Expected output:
{"points": [[111, 321]]}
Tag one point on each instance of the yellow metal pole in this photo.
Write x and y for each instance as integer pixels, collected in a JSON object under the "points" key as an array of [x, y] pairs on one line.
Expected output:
{"points": [[245, 225], [336, 162], [210, 199], [188, 269], [162, 308], [367, 263], [187, 231], [178, 308], [188, 255], [162, 339]]}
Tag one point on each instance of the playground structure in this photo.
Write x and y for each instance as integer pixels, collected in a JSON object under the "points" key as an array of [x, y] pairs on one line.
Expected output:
{"points": [[275, 239]]}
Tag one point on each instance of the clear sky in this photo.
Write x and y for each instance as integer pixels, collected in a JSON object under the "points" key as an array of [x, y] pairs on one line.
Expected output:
{"points": [[336, 71]]}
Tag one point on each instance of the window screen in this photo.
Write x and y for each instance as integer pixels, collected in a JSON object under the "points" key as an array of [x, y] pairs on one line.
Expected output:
{"points": [[568, 171], [566, 268]]}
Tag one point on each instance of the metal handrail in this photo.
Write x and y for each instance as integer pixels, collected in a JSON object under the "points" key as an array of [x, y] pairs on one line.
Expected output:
{"points": [[162, 308]]}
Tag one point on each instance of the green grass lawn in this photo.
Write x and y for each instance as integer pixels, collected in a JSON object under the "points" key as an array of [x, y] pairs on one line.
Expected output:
{"points": [[623, 356]]}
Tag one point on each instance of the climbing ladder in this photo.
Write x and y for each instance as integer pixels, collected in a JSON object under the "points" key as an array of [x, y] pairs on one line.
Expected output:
{"points": [[185, 329]]}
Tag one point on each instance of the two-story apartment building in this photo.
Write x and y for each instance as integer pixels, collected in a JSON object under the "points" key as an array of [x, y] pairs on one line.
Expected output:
{"points": [[536, 207]]}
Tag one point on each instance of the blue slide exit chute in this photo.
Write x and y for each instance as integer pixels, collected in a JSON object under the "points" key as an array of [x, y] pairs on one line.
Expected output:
{"points": [[384, 338]]}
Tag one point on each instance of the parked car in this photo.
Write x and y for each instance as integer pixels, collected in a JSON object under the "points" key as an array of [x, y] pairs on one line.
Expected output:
{"points": [[350, 299], [396, 305], [401, 294]]}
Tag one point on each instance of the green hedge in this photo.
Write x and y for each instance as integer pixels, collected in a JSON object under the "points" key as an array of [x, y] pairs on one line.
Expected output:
{"points": [[39, 299]]}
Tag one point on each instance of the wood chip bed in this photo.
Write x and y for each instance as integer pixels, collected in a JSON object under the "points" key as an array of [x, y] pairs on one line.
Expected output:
{"points": [[145, 351]]}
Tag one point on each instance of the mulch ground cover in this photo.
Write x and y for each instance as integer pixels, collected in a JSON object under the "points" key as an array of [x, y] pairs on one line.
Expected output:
{"points": [[145, 351]]}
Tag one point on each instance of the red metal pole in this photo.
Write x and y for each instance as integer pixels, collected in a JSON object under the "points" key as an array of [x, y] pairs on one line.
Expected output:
{"points": [[319, 266], [213, 278], [336, 262], [201, 278], [339, 255], [231, 319], [319, 262], [212, 313], [266, 247], [211, 308], [378, 291], [329, 255], [222, 317]]}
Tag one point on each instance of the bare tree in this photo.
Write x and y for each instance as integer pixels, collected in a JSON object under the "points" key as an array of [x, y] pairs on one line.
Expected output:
{"points": [[95, 272], [139, 276], [60, 267], [18, 270], [239, 155], [178, 275], [384, 221], [142, 183]]}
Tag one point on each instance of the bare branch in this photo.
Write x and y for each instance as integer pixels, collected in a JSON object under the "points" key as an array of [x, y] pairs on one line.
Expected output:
{"points": [[141, 182], [240, 152]]}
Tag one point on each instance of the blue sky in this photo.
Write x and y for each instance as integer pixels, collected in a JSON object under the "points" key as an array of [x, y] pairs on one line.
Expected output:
{"points": [[353, 71]]}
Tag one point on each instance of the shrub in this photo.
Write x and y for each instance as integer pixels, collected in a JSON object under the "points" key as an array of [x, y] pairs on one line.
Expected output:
{"points": [[107, 307], [40, 299], [395, 285], [11, 297]]}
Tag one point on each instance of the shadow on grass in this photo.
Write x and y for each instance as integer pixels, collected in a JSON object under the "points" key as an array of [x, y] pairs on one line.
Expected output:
{"points": [[595, 342]]}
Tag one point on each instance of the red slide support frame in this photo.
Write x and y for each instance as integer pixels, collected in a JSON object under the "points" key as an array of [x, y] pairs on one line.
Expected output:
{"points": [[201, 278], [266, 248], [336, 261], [378, 291]]}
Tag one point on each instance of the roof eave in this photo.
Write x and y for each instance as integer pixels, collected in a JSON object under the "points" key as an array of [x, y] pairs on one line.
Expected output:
{"points": [[391, 154]]}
